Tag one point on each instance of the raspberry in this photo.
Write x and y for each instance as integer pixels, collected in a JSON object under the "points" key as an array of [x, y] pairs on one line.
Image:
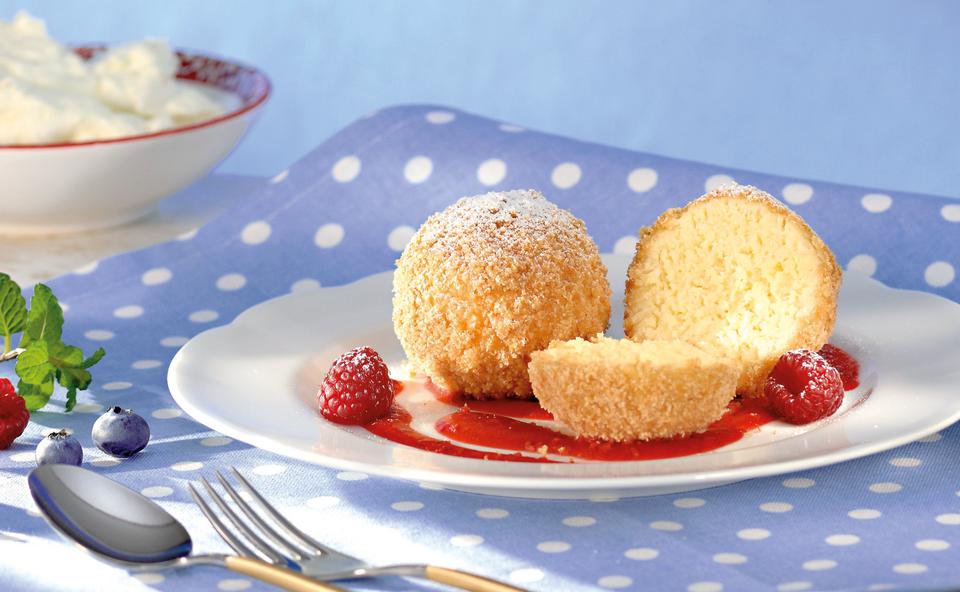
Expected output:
{"points": [[13, 414], [357, 389], [803, 387], [848, 367]]}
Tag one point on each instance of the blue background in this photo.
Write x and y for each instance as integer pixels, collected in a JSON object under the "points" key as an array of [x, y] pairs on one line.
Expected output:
{"points": [[855, 92]]}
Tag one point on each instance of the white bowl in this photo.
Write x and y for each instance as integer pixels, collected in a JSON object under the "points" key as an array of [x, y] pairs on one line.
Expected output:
{"points": [[60, 188]]}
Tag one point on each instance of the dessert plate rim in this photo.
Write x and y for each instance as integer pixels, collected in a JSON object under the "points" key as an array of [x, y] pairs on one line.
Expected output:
{"points": [[910, 396]]}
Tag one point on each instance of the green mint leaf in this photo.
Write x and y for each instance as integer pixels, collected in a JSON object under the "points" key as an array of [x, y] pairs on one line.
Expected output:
{"points": [[13, 309], [71, 400], [33, 365], [45, 319], [35, 395], [96, 357]]}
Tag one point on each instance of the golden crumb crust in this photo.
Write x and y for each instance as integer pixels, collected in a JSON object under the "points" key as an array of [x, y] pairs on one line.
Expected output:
{"points": [[738, 274], [624, 390], [488, 281]]}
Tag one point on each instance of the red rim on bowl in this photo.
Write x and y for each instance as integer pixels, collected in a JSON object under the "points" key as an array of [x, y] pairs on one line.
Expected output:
{"points": [[247, 83]]}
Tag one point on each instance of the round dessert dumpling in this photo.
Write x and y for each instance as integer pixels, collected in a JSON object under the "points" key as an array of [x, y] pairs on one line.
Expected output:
{"points": [[738, 274], [490, 280]]}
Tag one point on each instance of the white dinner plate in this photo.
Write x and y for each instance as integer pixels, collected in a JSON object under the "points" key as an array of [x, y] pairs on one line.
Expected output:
{"points": [[255, 380]]}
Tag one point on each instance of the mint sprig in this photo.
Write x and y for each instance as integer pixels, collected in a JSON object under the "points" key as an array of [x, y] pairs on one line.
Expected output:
{"points": [[43, 359]]}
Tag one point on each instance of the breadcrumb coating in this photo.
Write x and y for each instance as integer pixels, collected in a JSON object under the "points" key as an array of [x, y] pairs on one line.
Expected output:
{"points": [[488, 281], [623, 390], [738, 274]]}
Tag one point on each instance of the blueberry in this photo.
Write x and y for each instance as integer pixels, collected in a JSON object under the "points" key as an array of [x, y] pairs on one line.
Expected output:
{"points": [[59, 448], [120, 432]]}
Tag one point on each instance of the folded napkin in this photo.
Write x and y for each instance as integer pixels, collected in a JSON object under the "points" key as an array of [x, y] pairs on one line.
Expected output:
{"points": [[345, 211]]}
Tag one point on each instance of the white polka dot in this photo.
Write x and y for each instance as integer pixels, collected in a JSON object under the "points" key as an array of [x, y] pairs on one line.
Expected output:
{"points": [[864, 514], [603, 499], [351, 476], [705, 587], [168, 413], [798, 586], [526, 575], [418, 169], [117, 385], [492, 513], [431, 486], [399, 237], [256, 233], [88, 408], [128, 312], [553, 547], [939, 274], [641, 554], [328, 236], [466, 540], [149, 578], [188, 235], [819, 564], [231, 282], [951, 212], [949, 519], [579, 521], [346, 169], [156, 276], [689, 502], [175, 341], [876, 587], [887, 487], [931, 438], [729, 558], [842, 540], [87, 269], [625, 245], [280, 177], [716, 181], [440, 117], [862, 264], [64, 307], [157, 491], [642, 180], [932, 545], [798, 483], [910, 568], [491, 172], [511, 128], [187, 466], [99, 335], [876, 203], [565, 175], [905, 462], [304, 285], [105, 462], [233, 584], [146, 364], [269, 470], [776, 507], [216, 441], [666, 525], [614, 582], [322, 502], [204, 316], [753, 534], [23, 456], [797, 193]]}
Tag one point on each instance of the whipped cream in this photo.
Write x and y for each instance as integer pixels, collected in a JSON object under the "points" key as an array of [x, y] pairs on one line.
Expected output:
{"points": [[48, 94]]}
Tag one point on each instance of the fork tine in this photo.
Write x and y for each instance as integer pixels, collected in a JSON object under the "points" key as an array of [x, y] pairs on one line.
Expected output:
{"points": [[235, 543], [285, 524], [264, 549], [267, 530]]}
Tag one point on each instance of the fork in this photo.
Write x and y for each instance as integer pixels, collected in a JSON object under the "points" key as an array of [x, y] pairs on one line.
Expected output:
{"points": [[279, 542]]}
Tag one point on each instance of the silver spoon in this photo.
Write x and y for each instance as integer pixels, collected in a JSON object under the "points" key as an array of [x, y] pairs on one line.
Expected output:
{"points": [[118, 525]]}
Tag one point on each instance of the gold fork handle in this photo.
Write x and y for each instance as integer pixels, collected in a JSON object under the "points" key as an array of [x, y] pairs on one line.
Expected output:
{"points": [[278, 576], [466, 580]]}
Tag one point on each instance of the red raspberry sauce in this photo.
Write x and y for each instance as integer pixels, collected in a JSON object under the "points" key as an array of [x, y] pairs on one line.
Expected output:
{"points": [[845, 364]]}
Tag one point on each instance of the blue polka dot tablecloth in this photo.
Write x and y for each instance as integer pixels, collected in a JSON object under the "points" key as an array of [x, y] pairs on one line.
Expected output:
{"points": [[889, 521]]}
